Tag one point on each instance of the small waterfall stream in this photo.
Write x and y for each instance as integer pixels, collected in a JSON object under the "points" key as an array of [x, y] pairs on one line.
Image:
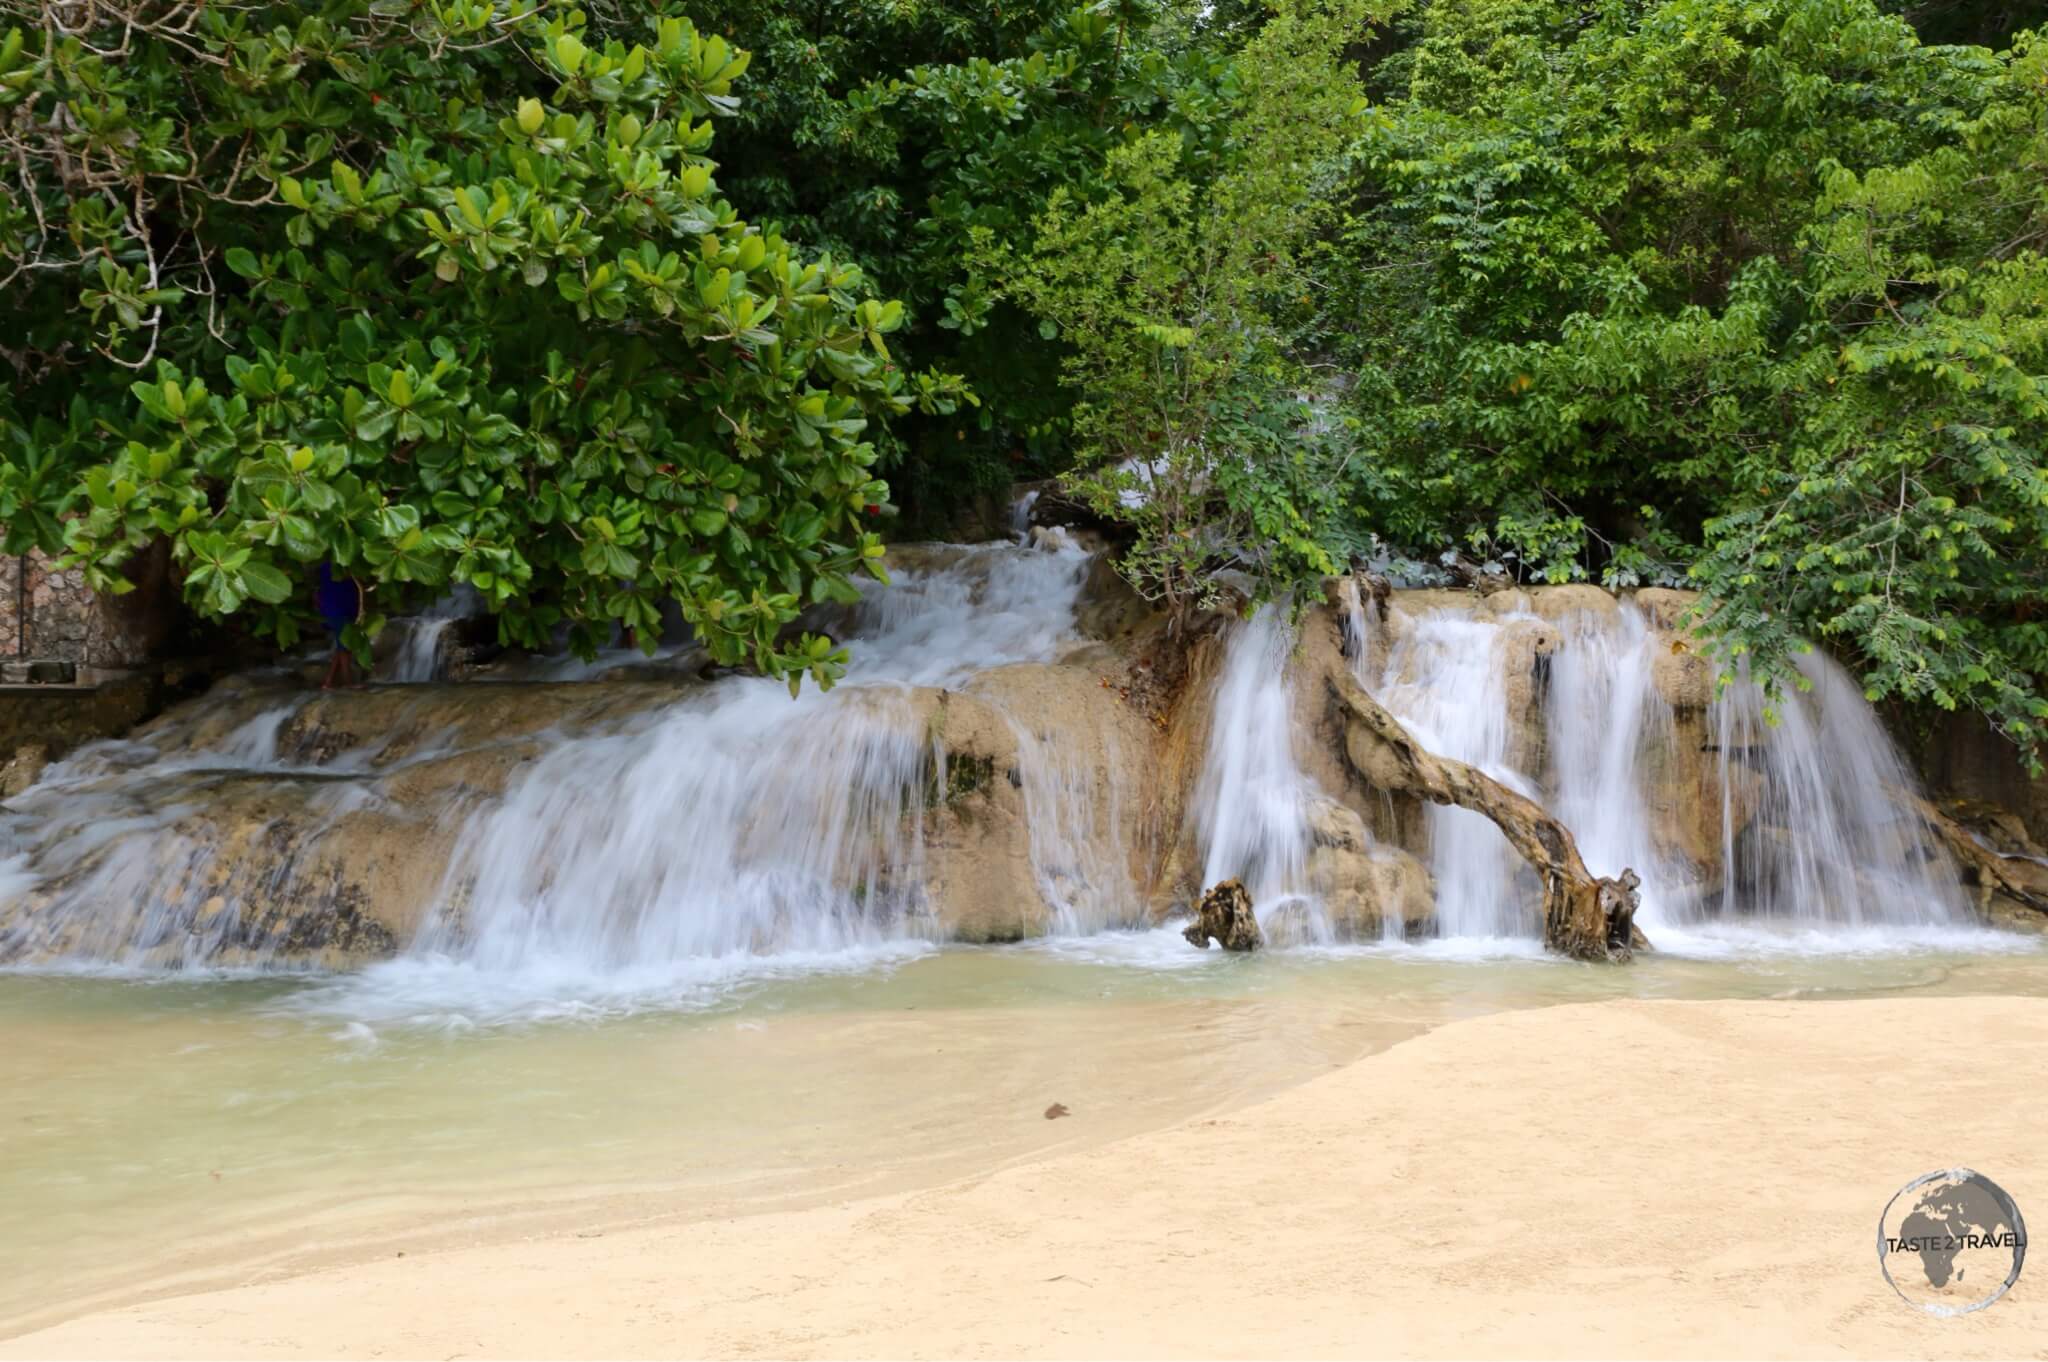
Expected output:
{"points": [[1812, 826], [1252, 800], [1445, 682], [740, 821], [1829, 776], [1602, 715]]}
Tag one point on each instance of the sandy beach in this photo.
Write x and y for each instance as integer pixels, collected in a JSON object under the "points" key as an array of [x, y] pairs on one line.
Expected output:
{"points": [[1620, 1178]]}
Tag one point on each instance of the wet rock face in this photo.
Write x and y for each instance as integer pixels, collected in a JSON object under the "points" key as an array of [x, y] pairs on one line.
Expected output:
{"points": [[1666, 607], [1367, 891], [243, 869], [1523, 653], [2021, 900], [23, 769], [1040, 809], [1554, 603], [1697, 802], [977, 842]]}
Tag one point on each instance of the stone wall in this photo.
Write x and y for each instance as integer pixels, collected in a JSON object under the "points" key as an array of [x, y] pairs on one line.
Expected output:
{"points": [[50, 617], [39, 724], [11, 611]]}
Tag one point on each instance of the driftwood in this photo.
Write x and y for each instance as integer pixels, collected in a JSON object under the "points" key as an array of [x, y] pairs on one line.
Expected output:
{"points": [[1226, 914], [1990, 867], [1584, 916]]}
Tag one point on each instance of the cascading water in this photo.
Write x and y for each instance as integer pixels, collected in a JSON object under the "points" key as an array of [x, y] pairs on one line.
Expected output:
{"points": [[1444, 681], [421, 653], [1253, 799], [1602, 714], [739, 821], [627, 831], [1810, 820], [712, 821], [419, 658], [727, 825], [1833, 840], [1083, 875]]}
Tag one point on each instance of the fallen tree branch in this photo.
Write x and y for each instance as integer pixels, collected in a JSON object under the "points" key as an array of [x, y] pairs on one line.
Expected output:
{"points": [[1226, 914], [1584, 916]]}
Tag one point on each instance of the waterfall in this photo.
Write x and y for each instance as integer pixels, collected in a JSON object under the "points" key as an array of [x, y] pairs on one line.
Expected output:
{"points": [[419, 656], [1079, 861], [1445, 680], [1801, 825], [732, 823], [1020, 516], [660, 825], [1833, 841], [633, 830], [1252, 798], [1602, 713], [737, 821], [419, 659]]}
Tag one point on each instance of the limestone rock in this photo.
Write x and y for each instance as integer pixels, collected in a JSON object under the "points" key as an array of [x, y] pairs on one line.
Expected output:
{"points": [[978, 884], [1055, 729], [23, 769], [1683, 678], [1363, 887], [1522, 655], [1413, 601], [1556, 603], [1665, 607], [1552, 603], [1109, 609]]}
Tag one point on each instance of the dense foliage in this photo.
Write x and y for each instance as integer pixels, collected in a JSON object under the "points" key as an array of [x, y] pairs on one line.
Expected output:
{"points": [[440, 293], [1750, 289], [1749, 296]]}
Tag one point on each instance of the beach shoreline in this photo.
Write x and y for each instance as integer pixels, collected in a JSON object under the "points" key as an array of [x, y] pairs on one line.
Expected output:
{"points": [[1623, 1177]]}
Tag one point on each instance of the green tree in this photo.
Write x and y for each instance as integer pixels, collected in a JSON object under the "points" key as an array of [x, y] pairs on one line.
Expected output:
{"points": [[1166, 287], [443, 292], [1753, 290]]}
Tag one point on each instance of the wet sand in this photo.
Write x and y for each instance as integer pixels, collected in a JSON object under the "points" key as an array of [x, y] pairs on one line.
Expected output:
{"points": [[1608, 1179]]}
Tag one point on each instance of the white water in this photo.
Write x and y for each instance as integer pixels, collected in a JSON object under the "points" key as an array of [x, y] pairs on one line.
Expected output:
{"points": [[732, 833], [1831, 845], [727, 830], [1603, 714], [1443, 680], [421, 655], [1078, 858], [419, 659], [1860, 857], [1252, 801]]}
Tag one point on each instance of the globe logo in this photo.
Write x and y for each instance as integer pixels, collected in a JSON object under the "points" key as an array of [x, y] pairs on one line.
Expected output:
{"points": [[1951, 1242]]}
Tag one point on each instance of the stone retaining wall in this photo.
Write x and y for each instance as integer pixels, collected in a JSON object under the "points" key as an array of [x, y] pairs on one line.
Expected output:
{"points": [[11, 609], [39, 724], [50, 616]]}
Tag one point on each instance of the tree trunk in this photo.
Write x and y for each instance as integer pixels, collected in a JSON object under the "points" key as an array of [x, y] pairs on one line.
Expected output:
{"points": [[1584, 916], [1226, 914]]}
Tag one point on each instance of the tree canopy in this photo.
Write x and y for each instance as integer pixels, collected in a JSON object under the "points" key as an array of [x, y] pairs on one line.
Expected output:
{"points": [[601, 308]]}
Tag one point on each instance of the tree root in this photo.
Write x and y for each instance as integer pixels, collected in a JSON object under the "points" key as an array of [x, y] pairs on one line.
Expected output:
{"points": [[1987, 865], [1584, 916], [1226, 914]]}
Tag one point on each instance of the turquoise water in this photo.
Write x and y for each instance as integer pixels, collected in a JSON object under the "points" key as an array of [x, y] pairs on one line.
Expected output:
{"points": [[168, 1133]]}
